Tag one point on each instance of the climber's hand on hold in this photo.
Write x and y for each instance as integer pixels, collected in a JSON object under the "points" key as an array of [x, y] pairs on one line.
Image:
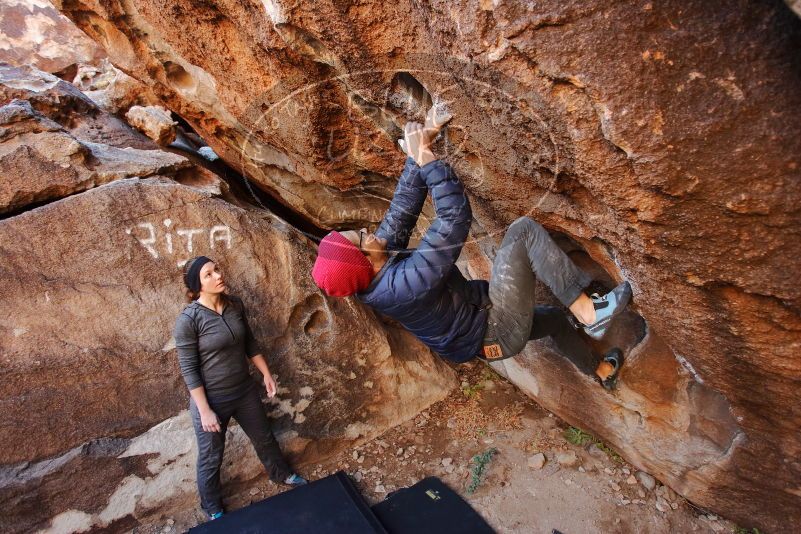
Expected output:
{"points": [[436, 118], [417, 144], [209, 421], [402, 145]]}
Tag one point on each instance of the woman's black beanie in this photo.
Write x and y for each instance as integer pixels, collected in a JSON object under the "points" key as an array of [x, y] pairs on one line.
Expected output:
{"points": [[192, 275]]}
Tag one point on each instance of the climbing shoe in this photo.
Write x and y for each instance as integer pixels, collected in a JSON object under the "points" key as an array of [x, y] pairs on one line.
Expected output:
{"points": [[606, 308], [615, 358], [215, 515], [295, 480]]}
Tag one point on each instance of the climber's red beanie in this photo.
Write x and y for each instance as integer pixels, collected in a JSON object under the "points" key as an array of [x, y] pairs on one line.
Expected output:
{"points": [[340, 268]]}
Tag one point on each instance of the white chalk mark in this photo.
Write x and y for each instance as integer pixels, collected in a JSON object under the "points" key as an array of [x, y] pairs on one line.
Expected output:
{"points": [[226, 235], [688, 366], [167, 222], [169, 243], [189, 234], [182, 263], [273, 9], [150, 241]]}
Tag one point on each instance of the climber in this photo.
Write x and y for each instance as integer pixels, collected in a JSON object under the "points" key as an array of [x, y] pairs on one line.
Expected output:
{"points": [[214, 342], [424, 291]]}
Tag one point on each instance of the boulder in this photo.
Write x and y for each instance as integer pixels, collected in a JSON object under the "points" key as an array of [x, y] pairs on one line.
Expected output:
{"points": [[89, 376], [33, 33], [64, 104], [54, 142], [153, 121], [41, 161], [111, 89], [662, 139]]}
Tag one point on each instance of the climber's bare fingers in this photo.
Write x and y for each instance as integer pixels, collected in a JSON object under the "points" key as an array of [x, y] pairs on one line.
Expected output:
{"points": [[436, 118]]}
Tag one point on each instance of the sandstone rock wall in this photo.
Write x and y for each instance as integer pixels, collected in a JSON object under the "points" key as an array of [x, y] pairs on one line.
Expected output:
{"points": [[33, 33], [662, 138], [95, 432]]}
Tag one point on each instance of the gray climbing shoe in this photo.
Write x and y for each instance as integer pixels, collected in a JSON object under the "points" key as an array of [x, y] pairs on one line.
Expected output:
{"points": [[606, 308]]}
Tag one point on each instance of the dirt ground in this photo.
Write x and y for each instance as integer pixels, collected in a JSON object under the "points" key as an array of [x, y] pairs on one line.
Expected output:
{"points": [[591, 490]]}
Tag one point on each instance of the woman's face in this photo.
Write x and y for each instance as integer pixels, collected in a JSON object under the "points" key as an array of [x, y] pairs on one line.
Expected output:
{"points": [[211, 279]]}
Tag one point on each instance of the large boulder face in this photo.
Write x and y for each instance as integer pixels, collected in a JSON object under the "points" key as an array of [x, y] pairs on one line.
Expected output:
{"points": [[33, 33], [663, 138], [88, 359]]}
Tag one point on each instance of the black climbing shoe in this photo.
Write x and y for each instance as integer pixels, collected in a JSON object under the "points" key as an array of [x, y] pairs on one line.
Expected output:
{"points": [[606, 308], [615, 357]]}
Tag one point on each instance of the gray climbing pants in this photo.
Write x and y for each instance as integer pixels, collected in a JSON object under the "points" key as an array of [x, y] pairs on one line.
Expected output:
{"points": [[249, 413], [528, 253]]}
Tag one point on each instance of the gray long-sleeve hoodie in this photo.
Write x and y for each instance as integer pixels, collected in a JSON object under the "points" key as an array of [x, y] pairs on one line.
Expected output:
{"points": [[213, 349]]}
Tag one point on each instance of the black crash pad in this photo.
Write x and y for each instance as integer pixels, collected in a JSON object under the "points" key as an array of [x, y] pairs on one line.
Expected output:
{"points": [[429, 507], [331, 505]]}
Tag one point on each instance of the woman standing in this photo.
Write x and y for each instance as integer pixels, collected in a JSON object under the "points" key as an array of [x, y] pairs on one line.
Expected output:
{"points": [[214, 342]]}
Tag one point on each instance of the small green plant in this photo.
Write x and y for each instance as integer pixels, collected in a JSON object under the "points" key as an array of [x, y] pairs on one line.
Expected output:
{"points": [[480, 463], [488, 374], [577, 436], [741, 530], [470, 390]]}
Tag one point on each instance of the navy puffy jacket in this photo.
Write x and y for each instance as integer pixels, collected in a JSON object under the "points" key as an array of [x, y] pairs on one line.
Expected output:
{"points": [[423, 289]]}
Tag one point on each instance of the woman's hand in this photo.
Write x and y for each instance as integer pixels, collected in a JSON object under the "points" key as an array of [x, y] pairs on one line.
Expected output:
{"points": [[269, 385], [209, 421]]}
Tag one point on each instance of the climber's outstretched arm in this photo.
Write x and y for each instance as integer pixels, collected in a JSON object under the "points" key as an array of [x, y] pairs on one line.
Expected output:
{"points": [[411, 191], [407, 202]]}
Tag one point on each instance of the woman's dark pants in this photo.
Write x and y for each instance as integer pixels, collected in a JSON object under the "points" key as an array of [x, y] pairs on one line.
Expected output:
{"points": [[528, 253], [249, 413]]}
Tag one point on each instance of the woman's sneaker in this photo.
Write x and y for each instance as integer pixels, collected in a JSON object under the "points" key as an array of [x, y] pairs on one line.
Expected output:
{"points": [[606, 308], [295, 480]]}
